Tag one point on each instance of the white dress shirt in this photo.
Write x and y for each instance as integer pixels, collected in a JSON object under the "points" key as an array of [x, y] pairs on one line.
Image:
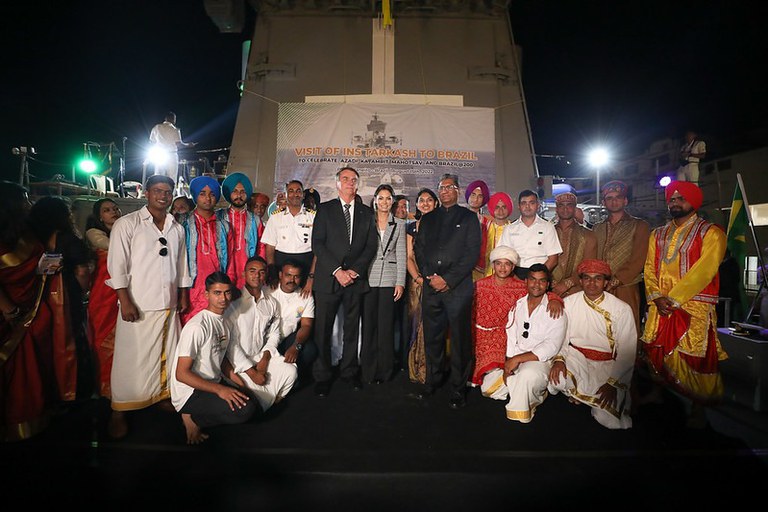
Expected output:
{"points": [[545, 334], [257, 329], [134, 261]]}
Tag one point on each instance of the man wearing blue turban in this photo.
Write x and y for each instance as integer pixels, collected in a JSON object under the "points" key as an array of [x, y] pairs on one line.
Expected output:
{"points": [[209, 242], [243, 223]]}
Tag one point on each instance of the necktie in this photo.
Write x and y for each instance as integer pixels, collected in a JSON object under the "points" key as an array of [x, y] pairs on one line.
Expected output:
{"points": [[348, 220]]}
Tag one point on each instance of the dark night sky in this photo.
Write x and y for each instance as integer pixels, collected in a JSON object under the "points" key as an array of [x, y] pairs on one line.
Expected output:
{"points": [[593, 71]]}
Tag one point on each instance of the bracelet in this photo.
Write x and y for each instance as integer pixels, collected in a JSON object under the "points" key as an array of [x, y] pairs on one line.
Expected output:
{"points": [[311, 275]]}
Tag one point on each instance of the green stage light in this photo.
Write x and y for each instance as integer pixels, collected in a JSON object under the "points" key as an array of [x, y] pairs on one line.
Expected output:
{"points": [[87, 165]]}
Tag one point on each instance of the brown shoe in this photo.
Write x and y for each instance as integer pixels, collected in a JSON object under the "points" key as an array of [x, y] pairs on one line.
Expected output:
{"points": [[118, 426]]}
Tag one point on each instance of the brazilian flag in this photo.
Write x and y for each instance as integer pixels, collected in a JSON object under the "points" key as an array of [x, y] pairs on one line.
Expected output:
{"points": [[737, 238]]}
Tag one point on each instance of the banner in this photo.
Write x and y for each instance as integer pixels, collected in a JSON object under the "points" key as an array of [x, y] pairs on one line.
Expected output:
{"points": [[406, 146]]}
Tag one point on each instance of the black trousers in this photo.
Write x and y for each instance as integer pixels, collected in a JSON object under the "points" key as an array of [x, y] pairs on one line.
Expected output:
{"points": [[442, 312], [208, 410], [326, 307], [377, 353]]}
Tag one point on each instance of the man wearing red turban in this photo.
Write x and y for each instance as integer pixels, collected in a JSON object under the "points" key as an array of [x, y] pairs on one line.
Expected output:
{"points": [[681, 281]]}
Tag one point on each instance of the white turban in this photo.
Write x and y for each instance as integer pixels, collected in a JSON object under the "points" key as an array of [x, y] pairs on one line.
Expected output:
{"points": [[502, 252]]}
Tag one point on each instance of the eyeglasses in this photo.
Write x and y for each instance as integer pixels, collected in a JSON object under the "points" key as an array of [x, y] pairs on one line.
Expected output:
{"points": [[446, 187], [526, 326], [163, 250]]}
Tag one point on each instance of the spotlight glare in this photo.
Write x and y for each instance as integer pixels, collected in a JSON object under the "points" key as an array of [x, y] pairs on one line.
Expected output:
{"points": [[665, 180], [598, 157], [157, 155]]}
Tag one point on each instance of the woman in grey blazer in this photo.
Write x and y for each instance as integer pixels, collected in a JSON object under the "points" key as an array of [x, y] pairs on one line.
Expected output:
{"points": [[386, 278]]}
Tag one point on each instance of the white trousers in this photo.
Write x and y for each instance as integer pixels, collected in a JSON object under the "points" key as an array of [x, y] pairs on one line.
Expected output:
{"points": [[526, 388], [281, 377]]}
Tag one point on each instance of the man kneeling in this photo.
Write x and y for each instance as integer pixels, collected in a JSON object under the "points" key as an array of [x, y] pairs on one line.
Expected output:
{"points": [[257, 363], [197, 389], [595, 365], [533, 338]]}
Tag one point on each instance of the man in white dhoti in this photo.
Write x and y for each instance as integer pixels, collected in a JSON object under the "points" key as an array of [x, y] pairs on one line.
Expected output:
{"points": [[596, 363], [258, 365], [198, 390], [533, 338], [147, 263]]}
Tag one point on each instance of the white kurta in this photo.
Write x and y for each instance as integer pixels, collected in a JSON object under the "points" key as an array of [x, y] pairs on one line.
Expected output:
{"points": [[205, 339], [606, 325], [144, 347], [257, 330], [527, 387]]}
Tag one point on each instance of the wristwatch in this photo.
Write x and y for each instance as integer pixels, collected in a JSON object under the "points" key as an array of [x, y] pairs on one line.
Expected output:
{"points": [[299, 346]]}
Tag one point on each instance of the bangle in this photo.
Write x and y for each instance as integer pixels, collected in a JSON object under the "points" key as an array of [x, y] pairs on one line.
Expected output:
{"points": [[311, 275]]}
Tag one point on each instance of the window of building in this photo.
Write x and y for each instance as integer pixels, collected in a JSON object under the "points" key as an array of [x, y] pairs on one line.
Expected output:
{"points": [[751, 278]]}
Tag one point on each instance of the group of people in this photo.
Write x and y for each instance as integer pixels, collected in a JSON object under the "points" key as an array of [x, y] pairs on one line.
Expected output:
{"points": [[216, 310]]}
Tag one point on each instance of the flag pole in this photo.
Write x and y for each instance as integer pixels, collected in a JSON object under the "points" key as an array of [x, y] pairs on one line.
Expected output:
{"points": [[749, 220], [760, 262]]}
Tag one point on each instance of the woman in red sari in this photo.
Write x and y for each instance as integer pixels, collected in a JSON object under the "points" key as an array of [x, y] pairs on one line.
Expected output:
{"points": [[102, 305], [27, 387]]}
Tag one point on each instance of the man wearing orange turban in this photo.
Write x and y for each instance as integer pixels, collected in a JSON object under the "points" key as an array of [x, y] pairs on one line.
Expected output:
{"points": [[681, 280], [578, 243], [597, 360]]}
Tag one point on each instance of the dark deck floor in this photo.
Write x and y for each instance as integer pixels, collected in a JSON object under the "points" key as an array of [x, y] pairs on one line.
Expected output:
{"points": [[378, 449]]}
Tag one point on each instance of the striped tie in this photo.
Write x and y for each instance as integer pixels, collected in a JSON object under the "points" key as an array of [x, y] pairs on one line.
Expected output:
{"points": [[348, 220]]}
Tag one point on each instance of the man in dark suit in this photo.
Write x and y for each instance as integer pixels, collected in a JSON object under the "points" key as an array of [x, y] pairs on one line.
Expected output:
{"points": [[344, 241], [446, 247]]}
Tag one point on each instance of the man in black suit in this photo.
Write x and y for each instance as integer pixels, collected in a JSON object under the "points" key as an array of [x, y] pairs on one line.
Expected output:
{"points": [[344, 241], [446, 247]]}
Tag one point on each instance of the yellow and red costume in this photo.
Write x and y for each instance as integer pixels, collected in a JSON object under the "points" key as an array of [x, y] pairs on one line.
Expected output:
{"points": [[683, 348]]}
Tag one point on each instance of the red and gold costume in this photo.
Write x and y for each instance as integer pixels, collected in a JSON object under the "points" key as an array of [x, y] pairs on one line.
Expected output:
{"points": [[683, 348], [102, 318], [27, 386], [490, 311]]}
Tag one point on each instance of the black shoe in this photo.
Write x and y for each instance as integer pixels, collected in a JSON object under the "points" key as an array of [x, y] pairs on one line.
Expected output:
{"points": [[422, 393], [355, 383], [322, 389], [457, 401]]}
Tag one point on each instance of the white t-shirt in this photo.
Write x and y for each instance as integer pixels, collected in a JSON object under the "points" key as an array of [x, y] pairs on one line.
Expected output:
{"points": [[534, 244], [293, 307], [205, 338]]}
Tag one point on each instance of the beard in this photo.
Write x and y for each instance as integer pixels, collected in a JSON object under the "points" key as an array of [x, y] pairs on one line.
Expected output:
{"points": [[678, 212]]}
